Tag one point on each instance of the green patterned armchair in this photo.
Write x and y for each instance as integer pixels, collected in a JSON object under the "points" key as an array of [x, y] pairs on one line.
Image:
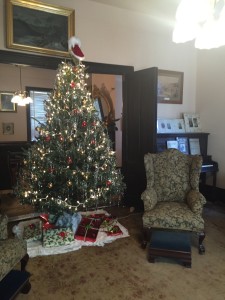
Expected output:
{"points": [[12, 252], [172, 199]]}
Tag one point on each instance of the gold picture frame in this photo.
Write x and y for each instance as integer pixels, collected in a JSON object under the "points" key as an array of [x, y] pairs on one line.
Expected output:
{"points": [[170, 87], [39, 27], [5, 102]]}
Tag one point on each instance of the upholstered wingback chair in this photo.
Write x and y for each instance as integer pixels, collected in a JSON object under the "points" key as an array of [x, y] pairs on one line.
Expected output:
{"points": [[172, 199]]}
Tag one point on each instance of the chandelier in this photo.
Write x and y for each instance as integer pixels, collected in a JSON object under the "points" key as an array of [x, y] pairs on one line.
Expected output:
{"points": [[202, 21], [20, 97]]}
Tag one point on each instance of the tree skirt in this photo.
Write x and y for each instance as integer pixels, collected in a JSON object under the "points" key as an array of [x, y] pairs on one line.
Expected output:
{"points": [[35, 248]]}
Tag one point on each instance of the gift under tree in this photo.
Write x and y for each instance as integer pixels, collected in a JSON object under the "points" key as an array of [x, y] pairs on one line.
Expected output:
{"points": [[71, 166]]}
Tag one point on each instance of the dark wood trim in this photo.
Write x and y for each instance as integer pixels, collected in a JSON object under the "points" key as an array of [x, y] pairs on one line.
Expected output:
{"points": [[49, 62]]}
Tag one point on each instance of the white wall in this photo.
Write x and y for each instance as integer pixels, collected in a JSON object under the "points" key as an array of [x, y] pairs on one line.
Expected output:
{"points": [[117, 36], [211, 103]]}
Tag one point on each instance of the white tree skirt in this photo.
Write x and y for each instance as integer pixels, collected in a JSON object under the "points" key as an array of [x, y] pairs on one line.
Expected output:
{"points": [[35, 248]]}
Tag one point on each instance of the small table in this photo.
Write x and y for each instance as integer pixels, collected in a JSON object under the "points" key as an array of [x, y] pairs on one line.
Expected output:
{"points": [[170, 244]]}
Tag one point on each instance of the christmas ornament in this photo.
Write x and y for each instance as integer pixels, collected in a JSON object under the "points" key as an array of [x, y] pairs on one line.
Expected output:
{"points": [[108, 182], [61, 138], [74, 48], [69, 160], [47, 138], [72, 84], [84, 124]]}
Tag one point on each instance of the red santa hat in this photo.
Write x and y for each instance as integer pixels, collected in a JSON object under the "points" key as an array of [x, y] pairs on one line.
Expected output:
{"points": [[74, 48]]}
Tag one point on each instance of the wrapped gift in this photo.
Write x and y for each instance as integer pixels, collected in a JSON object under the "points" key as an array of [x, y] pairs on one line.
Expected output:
{"points": [[88, 228], [115, 230], [48, 222], [109, 225], [30, 230], [57, 237]]}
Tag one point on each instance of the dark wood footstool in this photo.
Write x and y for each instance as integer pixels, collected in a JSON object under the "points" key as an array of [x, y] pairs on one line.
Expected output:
{"points": [[170, 244]]}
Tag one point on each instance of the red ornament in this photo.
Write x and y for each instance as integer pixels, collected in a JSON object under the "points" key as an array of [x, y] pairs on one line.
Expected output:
{"points": [[75, 111], [108, 182], [92, 142], [72, 84], [84, 124], [69, 160], [47, 138], [61, 138]]}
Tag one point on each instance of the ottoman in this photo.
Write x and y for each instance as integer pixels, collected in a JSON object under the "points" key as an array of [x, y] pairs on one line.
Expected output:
{"points": [[170, 244]]}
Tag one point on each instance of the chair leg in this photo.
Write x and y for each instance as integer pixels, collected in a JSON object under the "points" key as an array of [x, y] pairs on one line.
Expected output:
{"points": [[26, 288], [201, 248], [146, 237], [24, 262]]}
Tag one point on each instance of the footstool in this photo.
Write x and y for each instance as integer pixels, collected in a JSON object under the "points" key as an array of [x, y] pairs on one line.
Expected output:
{"points": [[170, 244]]}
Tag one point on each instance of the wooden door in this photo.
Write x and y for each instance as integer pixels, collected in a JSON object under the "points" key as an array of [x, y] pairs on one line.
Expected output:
{"points": [[140, 129]]}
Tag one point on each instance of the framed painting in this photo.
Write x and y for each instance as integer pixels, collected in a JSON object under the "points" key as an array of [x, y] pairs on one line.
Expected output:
{"points": [[170, 87], [39, 27], [8, 128], [5, 102]]}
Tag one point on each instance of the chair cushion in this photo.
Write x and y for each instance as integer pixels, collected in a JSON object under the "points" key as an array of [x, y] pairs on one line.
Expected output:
{"points": [[11, 252], [173, 215]]}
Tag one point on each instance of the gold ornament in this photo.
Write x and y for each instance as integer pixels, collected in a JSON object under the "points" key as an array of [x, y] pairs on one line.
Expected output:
{"points": [[69, 183]]}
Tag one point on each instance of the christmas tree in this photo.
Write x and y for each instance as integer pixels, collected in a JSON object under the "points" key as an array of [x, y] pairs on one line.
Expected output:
{"points": [[71, 166]]}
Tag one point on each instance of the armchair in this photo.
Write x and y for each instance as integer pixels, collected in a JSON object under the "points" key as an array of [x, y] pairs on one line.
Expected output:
{"points": [[172, 199], [12, 252]]}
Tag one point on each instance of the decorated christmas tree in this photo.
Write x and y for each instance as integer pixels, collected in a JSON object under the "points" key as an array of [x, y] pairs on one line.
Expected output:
{"points": [[71, 165]]}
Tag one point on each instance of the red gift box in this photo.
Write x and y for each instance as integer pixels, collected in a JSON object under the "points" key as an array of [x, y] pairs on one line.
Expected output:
{"points": [[114, 231], [46, 224], [88, 228]]}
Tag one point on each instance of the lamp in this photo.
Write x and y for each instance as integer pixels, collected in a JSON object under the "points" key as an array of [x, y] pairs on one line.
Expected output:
{"points": [[20, 97], [202, 20]]}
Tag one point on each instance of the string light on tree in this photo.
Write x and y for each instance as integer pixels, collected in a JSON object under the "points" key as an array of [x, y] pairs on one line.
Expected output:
{"points": [[71, 166]]}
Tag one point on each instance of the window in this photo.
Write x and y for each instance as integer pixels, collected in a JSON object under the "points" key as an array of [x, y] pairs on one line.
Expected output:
{"points": [[35, 111]]}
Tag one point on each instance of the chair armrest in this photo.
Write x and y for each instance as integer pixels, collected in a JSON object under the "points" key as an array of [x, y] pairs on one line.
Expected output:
{"points": [[195, 201], [149, 198]]}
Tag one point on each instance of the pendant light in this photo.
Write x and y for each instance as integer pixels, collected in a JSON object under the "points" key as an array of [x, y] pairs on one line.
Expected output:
{"points": [[20, 97]]}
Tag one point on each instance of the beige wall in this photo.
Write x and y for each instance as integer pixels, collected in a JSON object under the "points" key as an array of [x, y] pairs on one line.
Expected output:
{"points": [[117, 36], [211, 103]]}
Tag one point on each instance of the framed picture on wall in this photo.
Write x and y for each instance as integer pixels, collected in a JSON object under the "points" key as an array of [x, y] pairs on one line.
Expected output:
{"points": [[8, 128], [5, 102], [170, 87], [39, 27]]}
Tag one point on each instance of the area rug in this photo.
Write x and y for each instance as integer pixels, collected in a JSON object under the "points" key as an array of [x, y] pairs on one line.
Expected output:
{"points": [[35, 248]]}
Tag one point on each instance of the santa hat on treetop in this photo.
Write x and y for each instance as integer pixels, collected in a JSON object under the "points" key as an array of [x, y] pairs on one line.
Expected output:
{"points": [[74, 48]]}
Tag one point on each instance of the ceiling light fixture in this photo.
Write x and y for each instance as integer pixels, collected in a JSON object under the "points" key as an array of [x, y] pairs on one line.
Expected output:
{"points": [[202, 20], [20, 97]]}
